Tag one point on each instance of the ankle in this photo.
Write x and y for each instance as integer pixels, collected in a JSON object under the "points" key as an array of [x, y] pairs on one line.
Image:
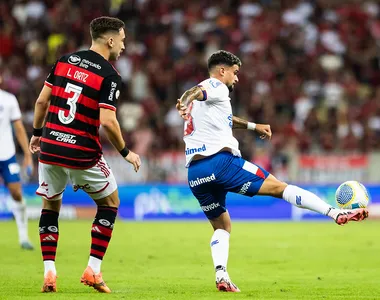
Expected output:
{"points": [[95, 264], [221, 272], [49, 266], [333, 212]]}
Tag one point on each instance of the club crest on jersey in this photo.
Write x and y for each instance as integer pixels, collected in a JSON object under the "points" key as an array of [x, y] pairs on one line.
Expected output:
{"points": [[74, 59]]}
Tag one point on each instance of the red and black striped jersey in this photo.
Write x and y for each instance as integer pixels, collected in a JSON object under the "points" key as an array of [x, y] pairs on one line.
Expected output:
{"points": [[81, 83]]}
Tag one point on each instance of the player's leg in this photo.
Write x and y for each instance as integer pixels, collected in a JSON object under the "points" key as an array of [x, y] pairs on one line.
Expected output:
{"points": [[101, 233], [220, 244], [211, 197], [249, 179], [100, 184], [293, 194], [305, 199], [20, 214], [52, 183], [11, 175]]}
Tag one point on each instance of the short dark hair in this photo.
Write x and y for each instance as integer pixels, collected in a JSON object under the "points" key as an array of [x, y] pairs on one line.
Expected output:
{"points": [[101, 25], [222, 57]]}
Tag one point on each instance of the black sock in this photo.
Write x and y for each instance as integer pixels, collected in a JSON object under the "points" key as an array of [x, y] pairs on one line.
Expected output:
{"points": [[49, 234], [101, 230]]}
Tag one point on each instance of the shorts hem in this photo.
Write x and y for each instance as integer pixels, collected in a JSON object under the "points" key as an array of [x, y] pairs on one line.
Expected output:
{"points": [[67, 166], [52, 198], [16, 180], [102, 193]]}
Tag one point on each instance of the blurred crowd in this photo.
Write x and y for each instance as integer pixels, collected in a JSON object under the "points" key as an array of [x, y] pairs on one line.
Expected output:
{"points": [[311, 69]]}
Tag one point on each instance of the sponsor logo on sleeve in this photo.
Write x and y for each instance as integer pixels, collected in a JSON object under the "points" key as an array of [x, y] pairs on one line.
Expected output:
{"points": [[112, 91]]}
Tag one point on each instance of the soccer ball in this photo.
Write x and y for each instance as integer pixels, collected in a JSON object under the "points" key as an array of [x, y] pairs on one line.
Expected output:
{"points": [[351, 195]]}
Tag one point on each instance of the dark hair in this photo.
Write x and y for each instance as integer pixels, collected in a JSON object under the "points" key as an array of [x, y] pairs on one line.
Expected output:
{"points": [[222, 57], [102, 25]]}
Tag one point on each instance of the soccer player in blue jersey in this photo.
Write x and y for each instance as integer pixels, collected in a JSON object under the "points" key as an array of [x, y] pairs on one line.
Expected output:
{"points": [[215, 165], [10, 117]]}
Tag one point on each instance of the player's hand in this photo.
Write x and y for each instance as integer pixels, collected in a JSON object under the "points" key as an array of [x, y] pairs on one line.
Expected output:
{"points": [[34, 145], [182, 110], [27, 164], [264, 131], [133, 159]]}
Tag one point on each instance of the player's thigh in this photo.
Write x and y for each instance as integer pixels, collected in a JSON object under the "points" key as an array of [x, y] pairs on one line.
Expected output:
{"points": [[244, 177], [52, 181], [211, 200], [202, 182], [10, 171], [272, 187], [98, 182]]}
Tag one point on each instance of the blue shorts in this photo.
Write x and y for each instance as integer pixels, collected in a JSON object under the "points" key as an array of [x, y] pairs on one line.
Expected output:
{"points": [[211, 178], [10, 170]]}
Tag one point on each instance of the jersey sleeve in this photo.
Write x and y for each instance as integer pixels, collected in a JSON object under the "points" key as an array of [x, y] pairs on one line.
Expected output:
{"points": [[110, 92], [50, 78], [214, 91], [15, 113]]}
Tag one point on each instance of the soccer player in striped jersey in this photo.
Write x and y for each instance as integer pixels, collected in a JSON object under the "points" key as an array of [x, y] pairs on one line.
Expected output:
{"points": [[10, 116], [79, 95], [215, 166]]}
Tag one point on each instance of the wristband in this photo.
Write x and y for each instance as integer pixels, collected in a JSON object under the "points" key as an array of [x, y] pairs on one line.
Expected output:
{"points": [[37, 131], [251, 126], [124, 152]]}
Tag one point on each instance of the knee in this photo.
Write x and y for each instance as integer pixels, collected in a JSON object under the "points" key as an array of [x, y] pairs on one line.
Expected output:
{"points": [[276, 189], [54, 205], [16, 194], [109, 201], [279, 189], [228, 228], [225, 227]]}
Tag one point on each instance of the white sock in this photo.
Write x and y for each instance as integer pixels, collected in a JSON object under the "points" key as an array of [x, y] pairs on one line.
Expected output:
{"points": [[95, 264], [49, 266], [21, 218], [305, 199], [220, 244]]}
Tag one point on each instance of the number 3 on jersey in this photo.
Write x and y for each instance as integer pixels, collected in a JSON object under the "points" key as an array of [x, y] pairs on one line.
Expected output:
{"points": [[72, 102], [189, 124]]}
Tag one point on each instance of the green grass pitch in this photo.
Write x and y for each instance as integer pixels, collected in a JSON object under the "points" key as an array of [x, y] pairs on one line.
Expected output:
{"points": [[163, 261]]}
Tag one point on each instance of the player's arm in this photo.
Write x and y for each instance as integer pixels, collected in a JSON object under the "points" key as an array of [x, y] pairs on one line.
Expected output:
{"points": [[22, 139], [41, 107], [40, 111], [262, 129], [195, 93], [112, 129], [109, 95]]}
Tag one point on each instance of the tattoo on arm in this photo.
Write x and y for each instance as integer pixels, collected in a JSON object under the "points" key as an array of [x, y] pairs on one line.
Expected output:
{"points": [[238, 123], [195, 93]]}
